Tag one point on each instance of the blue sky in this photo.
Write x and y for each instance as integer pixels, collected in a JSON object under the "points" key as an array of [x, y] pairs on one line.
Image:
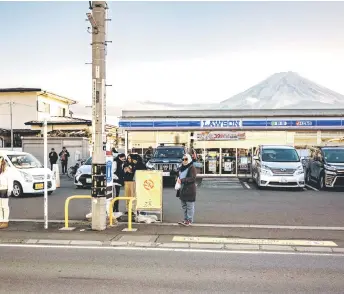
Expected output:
{"points": [[193, 52]]}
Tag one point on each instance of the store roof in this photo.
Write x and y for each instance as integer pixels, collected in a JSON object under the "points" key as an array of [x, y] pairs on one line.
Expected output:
{"points": [[223, 113]]}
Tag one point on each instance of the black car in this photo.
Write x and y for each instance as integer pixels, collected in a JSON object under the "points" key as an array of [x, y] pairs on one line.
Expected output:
{"points": [[326, 167], [167, 159]]}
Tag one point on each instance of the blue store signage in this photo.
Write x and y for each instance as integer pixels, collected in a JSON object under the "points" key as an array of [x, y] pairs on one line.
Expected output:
{"points": [[319, 123]]}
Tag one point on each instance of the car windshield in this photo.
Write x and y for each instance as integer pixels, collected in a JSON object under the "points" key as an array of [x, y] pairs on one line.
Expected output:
{"points": [[280, 155], [24, 161], [169, 153], [334, 155], [88, 161]]}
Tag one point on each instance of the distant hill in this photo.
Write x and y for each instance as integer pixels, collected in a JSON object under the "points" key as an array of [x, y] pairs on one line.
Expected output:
{"points": [[286, 90]]}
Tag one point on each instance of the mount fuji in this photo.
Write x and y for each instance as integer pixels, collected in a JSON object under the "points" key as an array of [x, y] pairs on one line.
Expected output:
{"points": [[285, 90]]}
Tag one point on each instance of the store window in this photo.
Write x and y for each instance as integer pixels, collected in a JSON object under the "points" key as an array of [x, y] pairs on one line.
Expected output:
{"points": [[244, 161], [228, 161], [212, 161]]}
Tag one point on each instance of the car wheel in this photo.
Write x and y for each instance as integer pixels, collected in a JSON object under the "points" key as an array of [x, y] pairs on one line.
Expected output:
{"points": [[321, 184], [50, 192], [258, 182], [17, 190]]}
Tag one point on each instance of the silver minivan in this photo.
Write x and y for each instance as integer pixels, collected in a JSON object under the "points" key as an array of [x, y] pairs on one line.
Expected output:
{"points": [[277, 166]]}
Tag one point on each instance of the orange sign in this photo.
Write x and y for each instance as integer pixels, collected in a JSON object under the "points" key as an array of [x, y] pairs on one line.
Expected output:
{"points": [[148, 184]]}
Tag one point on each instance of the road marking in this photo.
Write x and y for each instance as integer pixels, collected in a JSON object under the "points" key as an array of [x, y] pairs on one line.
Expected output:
{"points": [[253, 241], [247, 185], [235, 226], [189, 250], [310, 187]]}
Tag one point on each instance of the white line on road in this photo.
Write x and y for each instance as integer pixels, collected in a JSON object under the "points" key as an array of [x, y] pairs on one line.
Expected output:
{"points": [[310, 187], [247, 185], [168, 249], [322, 228]]}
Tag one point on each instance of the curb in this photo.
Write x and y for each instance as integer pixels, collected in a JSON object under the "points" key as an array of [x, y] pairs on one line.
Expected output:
{"points": [[172, 245]]}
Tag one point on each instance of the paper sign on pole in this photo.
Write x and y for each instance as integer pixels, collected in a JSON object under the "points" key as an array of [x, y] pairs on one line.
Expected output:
{"points": [[148, 190]]}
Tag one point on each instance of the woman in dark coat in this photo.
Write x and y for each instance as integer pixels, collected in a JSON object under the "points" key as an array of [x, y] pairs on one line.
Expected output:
{"points": [[187, 191], [118, 180]]}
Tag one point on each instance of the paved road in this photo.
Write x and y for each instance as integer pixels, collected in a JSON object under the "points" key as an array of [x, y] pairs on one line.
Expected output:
{"points": [[217, 202], [61, 270]]}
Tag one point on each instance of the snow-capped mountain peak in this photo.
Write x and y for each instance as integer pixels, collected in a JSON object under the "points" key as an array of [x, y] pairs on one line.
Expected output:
{"points": [[286, 90]]}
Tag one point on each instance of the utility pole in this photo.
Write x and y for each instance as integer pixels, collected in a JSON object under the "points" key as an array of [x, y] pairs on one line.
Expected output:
{"points": [[11, 118], [97, 19]]}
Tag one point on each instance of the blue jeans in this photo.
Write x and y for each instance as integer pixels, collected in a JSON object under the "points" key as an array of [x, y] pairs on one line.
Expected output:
{"points": [[188, 209]]}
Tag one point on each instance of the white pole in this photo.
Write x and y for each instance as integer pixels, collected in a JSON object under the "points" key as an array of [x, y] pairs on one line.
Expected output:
{"points": [[45, 134]]}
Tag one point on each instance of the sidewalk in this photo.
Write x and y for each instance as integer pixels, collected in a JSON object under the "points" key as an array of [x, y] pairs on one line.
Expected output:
{"points": [[177, 237]]}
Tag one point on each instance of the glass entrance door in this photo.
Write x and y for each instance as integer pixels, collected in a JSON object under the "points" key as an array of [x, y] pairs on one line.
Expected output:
{"points": [[212, 161], [228, 160], [244, 162]]}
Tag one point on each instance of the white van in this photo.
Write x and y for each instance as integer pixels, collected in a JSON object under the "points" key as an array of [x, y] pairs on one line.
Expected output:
{"points": [[27, 173], [277, 166]]}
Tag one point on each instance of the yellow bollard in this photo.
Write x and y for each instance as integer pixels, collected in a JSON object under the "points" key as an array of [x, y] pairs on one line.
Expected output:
{"points": [[67, 205], [130, 208]]}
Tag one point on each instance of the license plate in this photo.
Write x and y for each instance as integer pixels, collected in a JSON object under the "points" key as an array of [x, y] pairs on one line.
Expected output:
{"points": [[88, 181], [283, 180], [39, 186], [166, 174]]}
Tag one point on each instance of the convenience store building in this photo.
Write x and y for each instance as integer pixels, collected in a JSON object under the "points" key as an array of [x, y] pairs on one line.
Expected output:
{"points": [[225, 139]]}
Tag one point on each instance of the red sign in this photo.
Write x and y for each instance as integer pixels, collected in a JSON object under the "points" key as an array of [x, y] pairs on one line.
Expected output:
{"points": [[148, 184]]}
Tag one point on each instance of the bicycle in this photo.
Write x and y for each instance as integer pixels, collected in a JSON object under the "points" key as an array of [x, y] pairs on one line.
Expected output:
{"points": [[71, 171]]}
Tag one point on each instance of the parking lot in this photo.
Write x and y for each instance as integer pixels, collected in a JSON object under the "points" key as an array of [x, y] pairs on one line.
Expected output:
{"points": [[219, 201]]}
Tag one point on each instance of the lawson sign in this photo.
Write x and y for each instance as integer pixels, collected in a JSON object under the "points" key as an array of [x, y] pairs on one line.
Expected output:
{"points": [[221, 123]]}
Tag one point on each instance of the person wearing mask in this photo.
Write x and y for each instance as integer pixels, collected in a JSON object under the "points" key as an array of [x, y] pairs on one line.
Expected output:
{"points": [[186, 189], [64, 154], [6, 188], [53, 157], [118, 180]]}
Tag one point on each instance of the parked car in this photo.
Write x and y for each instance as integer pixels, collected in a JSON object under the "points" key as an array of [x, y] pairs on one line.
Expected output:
{"points": [[167, 159], [277, 166], [27, 173], [326, 167], [83, 176]]}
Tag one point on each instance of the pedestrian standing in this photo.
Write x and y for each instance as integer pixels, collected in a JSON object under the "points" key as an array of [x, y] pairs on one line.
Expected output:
{"points": [[118, 179], [53, 157], [186, 189], [64, 154], [6, 188]]}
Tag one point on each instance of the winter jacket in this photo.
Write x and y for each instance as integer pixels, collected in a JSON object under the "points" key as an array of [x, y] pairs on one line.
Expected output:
{"points": [[118, 172], [187, 192], [53, 157]]}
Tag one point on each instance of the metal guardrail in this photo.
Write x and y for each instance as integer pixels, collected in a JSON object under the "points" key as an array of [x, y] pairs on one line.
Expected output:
{"points": [[130, 208], [67, 205]]}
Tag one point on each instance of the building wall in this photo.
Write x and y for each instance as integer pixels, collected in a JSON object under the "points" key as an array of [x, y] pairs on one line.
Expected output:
{"points": [[24, 109], [75, 146], [28, 106], [56, 107]]}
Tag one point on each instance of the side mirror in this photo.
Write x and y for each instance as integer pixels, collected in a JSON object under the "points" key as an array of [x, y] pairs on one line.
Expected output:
{"points": [[256, 157]]}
